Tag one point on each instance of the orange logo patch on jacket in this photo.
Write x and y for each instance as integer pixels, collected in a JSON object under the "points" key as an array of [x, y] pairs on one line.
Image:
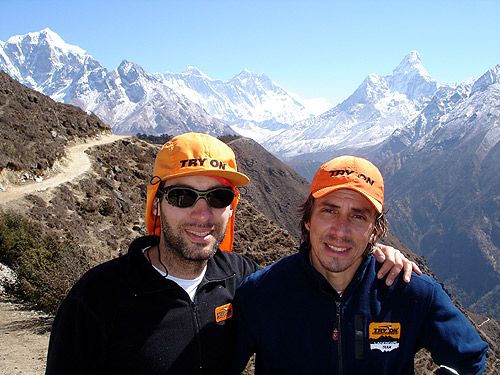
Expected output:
{"points": [[223, 312], [384, 329]]}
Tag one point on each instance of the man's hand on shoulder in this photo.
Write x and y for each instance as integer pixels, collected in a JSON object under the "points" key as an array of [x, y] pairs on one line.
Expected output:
{"points": [[393, 263]]}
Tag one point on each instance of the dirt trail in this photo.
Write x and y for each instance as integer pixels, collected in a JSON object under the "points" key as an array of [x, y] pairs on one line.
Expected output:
{"points": [[23, 340], [76, 164], [23, 333]]}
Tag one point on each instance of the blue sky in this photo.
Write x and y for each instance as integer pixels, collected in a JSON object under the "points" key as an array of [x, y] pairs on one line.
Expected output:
{"points": [[312, 48]]}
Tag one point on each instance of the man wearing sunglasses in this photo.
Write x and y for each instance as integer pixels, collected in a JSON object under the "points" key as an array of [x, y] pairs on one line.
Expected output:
{"points": [[166, 306]]}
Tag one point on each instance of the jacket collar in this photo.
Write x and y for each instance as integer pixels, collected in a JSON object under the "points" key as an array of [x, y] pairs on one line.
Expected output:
{"points": [[144, 278]]}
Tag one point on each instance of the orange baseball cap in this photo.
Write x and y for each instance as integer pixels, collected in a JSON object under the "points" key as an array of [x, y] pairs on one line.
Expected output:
{"points": [[350, 172], [194, 154]]}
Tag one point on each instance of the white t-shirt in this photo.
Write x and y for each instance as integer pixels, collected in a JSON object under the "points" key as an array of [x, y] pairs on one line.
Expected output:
{"points": [[189, 285]]}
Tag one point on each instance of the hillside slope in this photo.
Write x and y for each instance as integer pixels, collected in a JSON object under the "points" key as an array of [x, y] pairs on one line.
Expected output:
{"points": [[34, 129]]}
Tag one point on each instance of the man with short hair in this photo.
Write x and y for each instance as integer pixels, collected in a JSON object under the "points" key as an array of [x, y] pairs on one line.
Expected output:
{"points": [[166, 306], [324, 311]]}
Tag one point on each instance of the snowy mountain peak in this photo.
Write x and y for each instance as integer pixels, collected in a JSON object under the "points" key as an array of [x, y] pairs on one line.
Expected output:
{"points": [[126, 67], [379, 106], [44, 62], [247, 97], [49, 38], [194, 71], [411, 78], [370, 90], [411, 65], [413, 56], [490, 77], [246, 75]]}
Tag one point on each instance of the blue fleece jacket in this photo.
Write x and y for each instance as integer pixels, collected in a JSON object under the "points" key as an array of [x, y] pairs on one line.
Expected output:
{"points": [[298, 324]]}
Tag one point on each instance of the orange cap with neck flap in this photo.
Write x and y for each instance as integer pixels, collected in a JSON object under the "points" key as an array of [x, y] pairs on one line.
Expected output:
{"points": [[192, 154]]}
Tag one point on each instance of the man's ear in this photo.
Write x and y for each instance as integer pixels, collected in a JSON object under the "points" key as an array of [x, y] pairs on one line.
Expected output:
{"points": [[308, 226]]}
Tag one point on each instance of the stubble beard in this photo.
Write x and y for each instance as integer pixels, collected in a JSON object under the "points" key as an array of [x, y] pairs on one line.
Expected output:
{"points": [[192, 252], [334, 264]]}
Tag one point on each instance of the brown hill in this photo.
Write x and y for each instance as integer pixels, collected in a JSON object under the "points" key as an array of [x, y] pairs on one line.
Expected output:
{"points": [[34, 129], [98, 214], [275, 189]]}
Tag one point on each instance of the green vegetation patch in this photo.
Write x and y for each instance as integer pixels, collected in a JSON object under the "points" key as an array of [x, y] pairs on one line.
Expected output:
{"points": [[46, 264]]}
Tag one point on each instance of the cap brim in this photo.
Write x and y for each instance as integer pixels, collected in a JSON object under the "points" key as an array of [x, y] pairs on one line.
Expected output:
{"points": [[327, 190], [236, 178]]}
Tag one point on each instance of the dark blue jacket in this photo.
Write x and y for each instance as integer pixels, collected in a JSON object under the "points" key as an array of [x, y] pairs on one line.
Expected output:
{"points": [[297, 323], [123, 317]]}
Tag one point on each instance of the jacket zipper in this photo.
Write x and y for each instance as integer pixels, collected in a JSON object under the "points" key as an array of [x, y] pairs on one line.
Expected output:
{"points": [[337, 336], [196, 319], [197, 331]]}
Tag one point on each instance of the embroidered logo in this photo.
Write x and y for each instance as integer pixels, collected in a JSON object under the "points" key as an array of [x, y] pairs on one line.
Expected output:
{"points": [[214, 163], [347, 172], [223, 312], [384, 336]]}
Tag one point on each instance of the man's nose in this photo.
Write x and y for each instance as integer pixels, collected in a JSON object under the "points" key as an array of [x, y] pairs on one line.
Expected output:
{"points": [[201, 210], [340, 225]]}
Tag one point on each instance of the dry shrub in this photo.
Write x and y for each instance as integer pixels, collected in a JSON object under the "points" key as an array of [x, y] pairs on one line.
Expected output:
{"points": [[46, 264]]}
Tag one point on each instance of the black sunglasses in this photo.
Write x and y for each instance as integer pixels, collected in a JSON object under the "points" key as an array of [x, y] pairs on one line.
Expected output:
{"points": [[183, 197]]}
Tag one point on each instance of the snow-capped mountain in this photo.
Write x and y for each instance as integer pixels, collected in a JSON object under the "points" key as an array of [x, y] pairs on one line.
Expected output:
{"points": [[245, 97], [447, 118], [469, 112], [42, 59], [132, 100], [127, 98], [378, 107], [412, 79], [251, 103], [444, 101]]}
